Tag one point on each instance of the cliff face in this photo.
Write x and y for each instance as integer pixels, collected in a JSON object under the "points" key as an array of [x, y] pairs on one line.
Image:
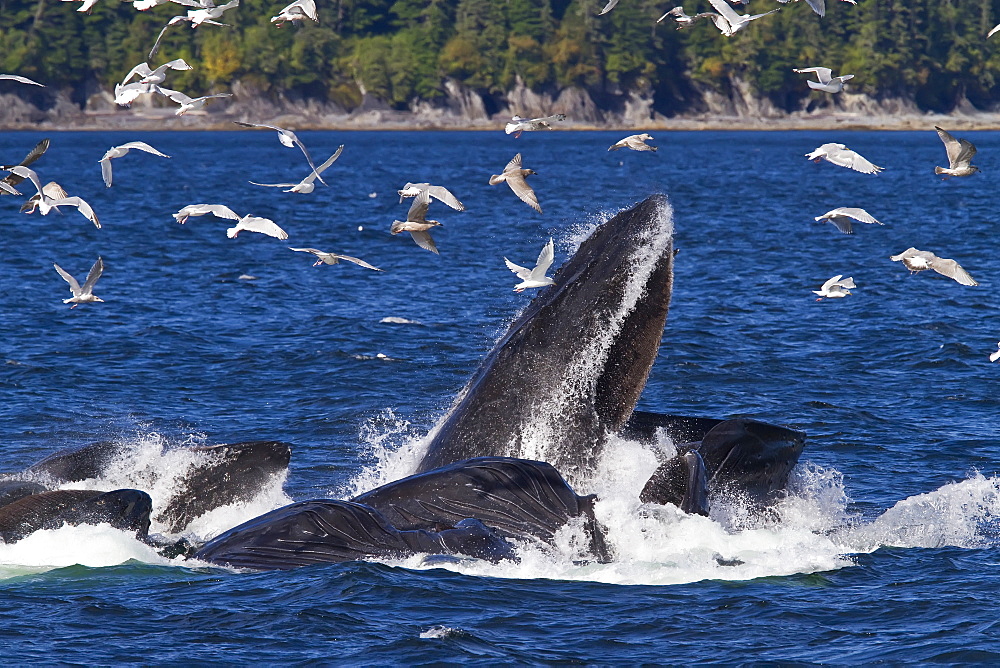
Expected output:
{"points": [[737, 105]]}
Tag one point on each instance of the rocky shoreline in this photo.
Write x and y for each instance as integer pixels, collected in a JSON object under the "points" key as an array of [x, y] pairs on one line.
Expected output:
{"points": [[462, 109]]}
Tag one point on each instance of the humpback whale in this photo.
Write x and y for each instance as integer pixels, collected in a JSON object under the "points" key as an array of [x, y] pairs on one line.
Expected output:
{"points": [[571, 367], [219, 475], [125, 509], [565, 376]]}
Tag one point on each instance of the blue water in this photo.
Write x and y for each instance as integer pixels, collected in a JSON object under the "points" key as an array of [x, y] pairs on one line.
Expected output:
{"points": [[887, 552]]}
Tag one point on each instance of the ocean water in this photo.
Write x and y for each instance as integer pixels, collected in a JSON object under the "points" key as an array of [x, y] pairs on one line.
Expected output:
{"points": [[885, 551]]}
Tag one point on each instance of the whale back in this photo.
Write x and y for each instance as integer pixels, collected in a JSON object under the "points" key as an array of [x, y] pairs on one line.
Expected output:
{"points": [[571, 367]]}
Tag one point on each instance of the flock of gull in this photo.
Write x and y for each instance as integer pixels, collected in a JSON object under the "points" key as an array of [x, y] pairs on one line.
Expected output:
{"points": [[148, 81]]}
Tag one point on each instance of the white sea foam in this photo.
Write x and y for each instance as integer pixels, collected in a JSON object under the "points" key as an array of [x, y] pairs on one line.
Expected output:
{"points": [[87, 545]]}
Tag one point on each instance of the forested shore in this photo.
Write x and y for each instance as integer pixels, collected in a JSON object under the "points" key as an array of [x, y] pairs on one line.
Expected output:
{"points": [[466, 62]]}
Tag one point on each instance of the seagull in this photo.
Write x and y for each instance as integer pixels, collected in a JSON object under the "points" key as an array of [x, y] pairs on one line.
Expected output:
{"points": [[297, 11], [248, 223], [306, 185], [287, 138], [440, 193], [417, 224], [126, 94], [196, 17], [188, 103], [841, 217], [634, 142], [518, 125], [826, 82], [19, 79], [52, 198], [995, 356], [842, 156], [960, 153], [7, 183], [835, 288], [333, 258], [728, 21], [119, 151], [84, 295], [534, 278], [683, 20], [918, 260], [515, 178], [157, 76]]}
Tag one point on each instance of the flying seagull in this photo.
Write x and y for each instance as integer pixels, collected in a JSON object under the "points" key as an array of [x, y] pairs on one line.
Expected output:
{"points": [[960, 153], [634, 142], [333, 258], [826, 83], [11, 180], [85, 294], [205, 14], [306, 185], [842, 156], [19, 79], [534, 278], [187, 103], [52, 198], [515, 178], [243, 223], [440, 193], [835, 288], [297, 11], [287, 138], [157, 76], [728, 21], [416, 223], [683, 20], [119, 151], [842, 216], [517, 125], [918, 260]]}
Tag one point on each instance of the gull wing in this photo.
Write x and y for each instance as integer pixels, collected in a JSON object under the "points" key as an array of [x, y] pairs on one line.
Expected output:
{"points": [[545, 259], [444, 195], [953, 147], [951, 269], [522, 272], [141, 70], [523, 191], [142, 146], [857, 214], [830, 282], [92, 276], [818, 6], [106, 170], [515, 163], [322, 168], [175, 95], [217, 210], [843, 223], [992, 31], [359, 262], [314, 251], [424, 240], [20, 79], [7, 189], [73, 285], [725, 11], [156, 45], [82, 206], [608, 7], [274, 185], [823, 74], [418, 210], [26, 173], [848, 158], [262, 225]]}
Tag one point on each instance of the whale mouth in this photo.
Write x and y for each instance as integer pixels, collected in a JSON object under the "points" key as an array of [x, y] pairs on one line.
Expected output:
{"points": [[572, 365]]}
